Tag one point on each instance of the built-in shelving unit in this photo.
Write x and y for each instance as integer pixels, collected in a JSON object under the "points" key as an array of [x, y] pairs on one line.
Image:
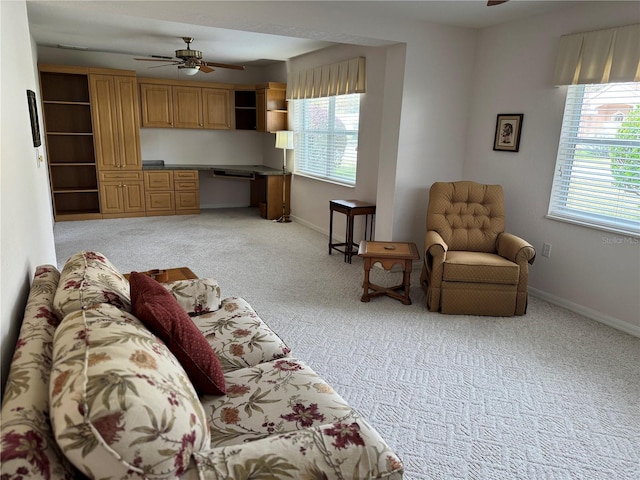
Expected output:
{"points": [[245, 109], [70, 146]]}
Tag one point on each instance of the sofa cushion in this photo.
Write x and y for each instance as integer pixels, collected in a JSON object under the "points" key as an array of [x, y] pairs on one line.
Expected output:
{"points": [[239, 336], [88, 278], [479, 268], [122, 406], [161, 313], [272, 398], [350, 449], [196, 296]]}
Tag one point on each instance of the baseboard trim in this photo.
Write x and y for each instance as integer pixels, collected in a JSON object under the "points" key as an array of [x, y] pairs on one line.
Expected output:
{"points": [[223, 205], [587, 312]]}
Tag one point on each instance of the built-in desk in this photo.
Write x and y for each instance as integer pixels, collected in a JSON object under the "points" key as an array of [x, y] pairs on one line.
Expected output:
{"points": [[266, 183]]}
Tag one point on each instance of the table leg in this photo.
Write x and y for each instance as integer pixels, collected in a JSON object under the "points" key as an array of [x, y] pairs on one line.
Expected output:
{"points": [[365, 283], [407, 281], [349, 239], [330, 229]]}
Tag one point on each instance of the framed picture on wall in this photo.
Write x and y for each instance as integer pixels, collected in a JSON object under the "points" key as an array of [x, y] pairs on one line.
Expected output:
{"points": [[33, 114], [508, 128]]}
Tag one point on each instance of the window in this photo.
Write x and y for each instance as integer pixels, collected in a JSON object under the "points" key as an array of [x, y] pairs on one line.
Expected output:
{"points": [[597, 175], [326, 134]]}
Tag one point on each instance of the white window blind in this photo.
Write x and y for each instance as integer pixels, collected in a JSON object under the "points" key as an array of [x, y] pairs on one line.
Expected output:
{"points": [[326, 137], [597, 177]]}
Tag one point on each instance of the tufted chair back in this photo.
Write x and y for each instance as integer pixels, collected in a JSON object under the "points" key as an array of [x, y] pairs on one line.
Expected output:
{"points": [[467, 215]]}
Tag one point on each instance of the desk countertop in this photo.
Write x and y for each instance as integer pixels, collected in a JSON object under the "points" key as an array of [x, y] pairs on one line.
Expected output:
{"points": [[222, 170]]}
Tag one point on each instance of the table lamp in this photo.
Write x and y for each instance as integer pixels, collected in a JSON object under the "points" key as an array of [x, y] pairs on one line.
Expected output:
{"points": [[284, 140]]}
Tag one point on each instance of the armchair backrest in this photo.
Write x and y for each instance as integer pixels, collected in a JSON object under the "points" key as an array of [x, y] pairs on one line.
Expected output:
{"points": [[467, 215]]}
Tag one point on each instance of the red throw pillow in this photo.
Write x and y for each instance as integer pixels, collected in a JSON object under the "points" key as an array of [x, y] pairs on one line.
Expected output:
{"points": [[161, 313]]}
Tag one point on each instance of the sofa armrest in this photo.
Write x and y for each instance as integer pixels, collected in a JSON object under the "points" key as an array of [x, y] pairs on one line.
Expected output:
{"points": [[339, 450], [516, 249], [27, 445], [197, 296]]}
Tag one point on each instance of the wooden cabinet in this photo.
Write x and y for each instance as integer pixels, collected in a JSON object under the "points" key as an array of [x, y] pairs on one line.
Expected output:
{"points": [[216, 108], [159, 192], [187, 191], [271, 107], [185, 105], [122, 194], [170, 192], [69, 140], [267, 189], [156, 103], [262, 108], [116, 122]]}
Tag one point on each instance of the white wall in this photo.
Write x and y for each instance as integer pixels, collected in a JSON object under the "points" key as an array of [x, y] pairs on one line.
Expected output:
{"points": [[26, 227], [591, 271]]}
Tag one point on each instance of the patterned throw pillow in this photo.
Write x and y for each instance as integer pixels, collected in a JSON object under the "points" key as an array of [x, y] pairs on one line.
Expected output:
{"points": [[121, 405], [156, 307]]}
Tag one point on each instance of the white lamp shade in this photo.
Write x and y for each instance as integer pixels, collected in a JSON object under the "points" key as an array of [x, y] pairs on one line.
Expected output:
{"points": [[284, 139]]}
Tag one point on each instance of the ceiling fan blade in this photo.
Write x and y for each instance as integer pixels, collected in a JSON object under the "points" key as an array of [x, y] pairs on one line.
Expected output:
{"points": [[205, 69], [166, 65], [491, 3], [223, 65], [157, 59]]}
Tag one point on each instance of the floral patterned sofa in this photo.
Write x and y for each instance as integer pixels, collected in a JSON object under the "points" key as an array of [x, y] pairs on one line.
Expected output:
{"points": [[92, 392]]}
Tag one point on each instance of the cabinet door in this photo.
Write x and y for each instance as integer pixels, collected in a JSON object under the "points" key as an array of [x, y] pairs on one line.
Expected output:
{"points": [[157, 105], [111, 200], [217, 108], [187, 107], [133, 197], [128, 121], [103, 112]]}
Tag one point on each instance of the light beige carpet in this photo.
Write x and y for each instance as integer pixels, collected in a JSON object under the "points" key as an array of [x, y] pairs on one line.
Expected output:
{"points": [[551, 395]]}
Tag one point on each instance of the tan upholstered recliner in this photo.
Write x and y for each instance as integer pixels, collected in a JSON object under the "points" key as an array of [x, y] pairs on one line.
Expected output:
{"points": [[471, 266]]}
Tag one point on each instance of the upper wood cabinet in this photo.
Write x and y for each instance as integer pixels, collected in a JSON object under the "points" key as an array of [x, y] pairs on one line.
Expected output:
{"points": [[157, 105], [271, 107], [114, 101], [216, 108], [186, 105]]}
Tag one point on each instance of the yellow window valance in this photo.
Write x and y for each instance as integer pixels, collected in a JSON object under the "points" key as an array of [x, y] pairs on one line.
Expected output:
{"points": [[339, 78], [603, 56]]}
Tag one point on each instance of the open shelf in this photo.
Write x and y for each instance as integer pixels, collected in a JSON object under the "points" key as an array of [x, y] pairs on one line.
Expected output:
{"points": [[64, 87], [245, 109]]}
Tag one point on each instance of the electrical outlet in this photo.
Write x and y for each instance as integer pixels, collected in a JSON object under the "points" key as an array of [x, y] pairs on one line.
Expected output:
{"points": [[546, 250]]}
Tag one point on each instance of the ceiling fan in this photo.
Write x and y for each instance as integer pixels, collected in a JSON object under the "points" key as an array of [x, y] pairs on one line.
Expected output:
{"points": [[190, 61]]}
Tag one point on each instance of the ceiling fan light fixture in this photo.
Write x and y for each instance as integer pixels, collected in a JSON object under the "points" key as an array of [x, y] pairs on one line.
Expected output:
{"points": [[189, 70]]}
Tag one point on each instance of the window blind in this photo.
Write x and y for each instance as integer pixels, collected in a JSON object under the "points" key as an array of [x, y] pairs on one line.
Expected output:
{"points": [[597, 176], [603, 56], [326, 137]]}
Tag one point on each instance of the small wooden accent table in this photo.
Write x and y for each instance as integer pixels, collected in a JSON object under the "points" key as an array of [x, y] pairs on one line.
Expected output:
{"points": [[169, 275], [350, 208], [388, 254]]}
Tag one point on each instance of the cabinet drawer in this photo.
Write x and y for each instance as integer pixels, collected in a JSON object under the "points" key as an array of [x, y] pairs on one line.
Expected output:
{"points": [[160, 201], [158, 180], [115, 176], [186, 185], [187, 201], [185, 175]]}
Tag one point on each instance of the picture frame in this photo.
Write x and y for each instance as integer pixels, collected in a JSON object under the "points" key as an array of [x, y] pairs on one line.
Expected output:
{"points": [[33, 114], [508, 129]]}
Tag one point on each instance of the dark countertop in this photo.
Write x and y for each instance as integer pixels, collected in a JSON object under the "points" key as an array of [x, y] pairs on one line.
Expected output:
{"points": [[222, 170]]}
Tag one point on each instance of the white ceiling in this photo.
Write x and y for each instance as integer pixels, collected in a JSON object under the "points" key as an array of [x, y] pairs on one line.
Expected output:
{"points": [[102, 26]]}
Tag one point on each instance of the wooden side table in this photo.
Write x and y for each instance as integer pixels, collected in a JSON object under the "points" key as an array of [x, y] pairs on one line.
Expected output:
{"points": [[388, 254], [350, 208], [169, 275]]}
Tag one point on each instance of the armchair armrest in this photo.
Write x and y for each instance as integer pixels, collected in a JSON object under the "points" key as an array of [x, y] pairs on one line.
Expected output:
{"points": [[338, 450], [515, 249], [196, 296], [433, 239]]}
